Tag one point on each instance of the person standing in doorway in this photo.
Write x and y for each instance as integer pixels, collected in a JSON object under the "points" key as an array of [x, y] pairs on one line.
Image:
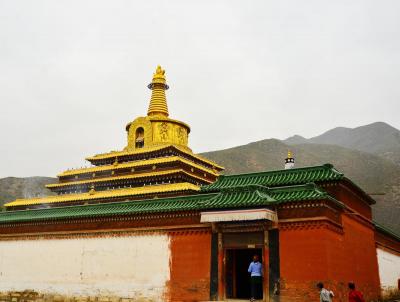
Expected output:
{"points": [[324, 294], [355, 295], [255, 270]]}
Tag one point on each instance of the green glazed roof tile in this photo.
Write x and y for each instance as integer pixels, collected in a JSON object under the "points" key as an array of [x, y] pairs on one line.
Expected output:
{"points": [[277, 178], [229, 198]]}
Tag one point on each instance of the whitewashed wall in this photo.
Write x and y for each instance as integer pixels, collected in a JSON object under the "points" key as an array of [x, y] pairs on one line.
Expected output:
{"points": [[131, 266], [389, 268]]}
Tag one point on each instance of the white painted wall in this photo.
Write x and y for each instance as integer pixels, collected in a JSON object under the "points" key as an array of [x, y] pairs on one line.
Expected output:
{"points": [[129, 266], [389, 268]]}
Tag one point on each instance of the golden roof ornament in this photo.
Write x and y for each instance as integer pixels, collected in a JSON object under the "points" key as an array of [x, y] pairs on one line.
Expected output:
{"points": [[92, 191], [158, 102], [159, 74]]}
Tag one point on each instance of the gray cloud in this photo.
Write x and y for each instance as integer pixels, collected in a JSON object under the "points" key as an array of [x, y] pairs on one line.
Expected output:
{"points": [[73, 73]]}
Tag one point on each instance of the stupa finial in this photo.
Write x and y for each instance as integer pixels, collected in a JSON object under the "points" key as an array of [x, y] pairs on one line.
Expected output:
{"points": [[159, 74], [289, 160], [158, 101]]}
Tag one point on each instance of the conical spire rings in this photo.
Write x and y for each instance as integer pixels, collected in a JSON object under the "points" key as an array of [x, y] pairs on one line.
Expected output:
{"points": [[158, 101]]}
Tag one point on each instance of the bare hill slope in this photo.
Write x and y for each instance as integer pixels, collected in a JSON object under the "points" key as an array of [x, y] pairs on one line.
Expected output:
{"points": [[12, 188], [372, 173], [377, 138]]}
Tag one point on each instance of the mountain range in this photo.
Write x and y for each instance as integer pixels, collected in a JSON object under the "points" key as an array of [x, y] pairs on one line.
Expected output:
{"points": [[378, 138], [369, 155]]}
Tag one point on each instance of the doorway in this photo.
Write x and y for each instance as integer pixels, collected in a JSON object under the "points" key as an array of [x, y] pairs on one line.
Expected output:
{"points": [[237, 278]]}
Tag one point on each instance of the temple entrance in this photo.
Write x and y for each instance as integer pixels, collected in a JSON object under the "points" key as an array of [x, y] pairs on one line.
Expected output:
{"points": [[237, 277]]}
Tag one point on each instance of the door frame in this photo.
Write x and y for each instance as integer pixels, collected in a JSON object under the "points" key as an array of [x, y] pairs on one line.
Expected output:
{"points": [[261, 249], [222, 271]]}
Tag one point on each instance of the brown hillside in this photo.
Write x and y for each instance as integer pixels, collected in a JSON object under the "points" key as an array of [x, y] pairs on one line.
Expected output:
{"points": [[12, 188]]}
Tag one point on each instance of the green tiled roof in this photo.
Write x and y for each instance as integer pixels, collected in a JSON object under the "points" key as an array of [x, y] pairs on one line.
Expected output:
{"points": [[238, 197], [277, 178]]}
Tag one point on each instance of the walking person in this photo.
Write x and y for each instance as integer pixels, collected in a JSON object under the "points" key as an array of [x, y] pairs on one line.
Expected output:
{"points": [[255, 270], [355, 295], [324, 294]]}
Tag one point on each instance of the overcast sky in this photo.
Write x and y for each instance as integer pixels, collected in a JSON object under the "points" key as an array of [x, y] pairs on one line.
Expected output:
{"points": [[74, 73]]}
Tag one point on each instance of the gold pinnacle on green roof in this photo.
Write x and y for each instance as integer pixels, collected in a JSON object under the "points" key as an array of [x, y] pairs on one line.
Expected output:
{"points": [[158, 102]]}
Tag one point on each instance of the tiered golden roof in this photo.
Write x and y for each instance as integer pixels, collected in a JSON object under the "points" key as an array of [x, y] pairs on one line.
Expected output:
{"points": [[126, 177], [117, 154], [156, 160], [117, 193], [135, 164]]}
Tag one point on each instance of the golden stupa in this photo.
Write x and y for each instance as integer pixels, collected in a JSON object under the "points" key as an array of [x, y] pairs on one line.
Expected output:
{"points": [[156, 162]]}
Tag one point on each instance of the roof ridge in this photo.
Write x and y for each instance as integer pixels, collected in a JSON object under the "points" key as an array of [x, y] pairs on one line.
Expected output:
{"points": [[309, 185], [386, 230], [122, 153], [323, 173], [260, 190], [368, 197], [265, 196], [253, 196], [324, 166], [243, 188], [122, 165], [107, 204], [130, 191], [124, 177]]}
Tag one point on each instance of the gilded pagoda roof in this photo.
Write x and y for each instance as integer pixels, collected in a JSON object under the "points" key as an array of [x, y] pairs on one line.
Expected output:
{"points": [[116, 154], [135, 164], [134, 176], [94, 195]]}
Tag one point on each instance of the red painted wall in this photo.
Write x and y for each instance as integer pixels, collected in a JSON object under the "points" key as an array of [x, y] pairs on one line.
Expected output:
{"points": [[190, 265], [351, 199], [361, 258], [303, 261], [309, 255]]}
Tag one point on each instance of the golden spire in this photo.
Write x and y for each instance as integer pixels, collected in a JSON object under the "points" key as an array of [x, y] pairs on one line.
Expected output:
{"points": [[158, 102], [289, 154]]}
